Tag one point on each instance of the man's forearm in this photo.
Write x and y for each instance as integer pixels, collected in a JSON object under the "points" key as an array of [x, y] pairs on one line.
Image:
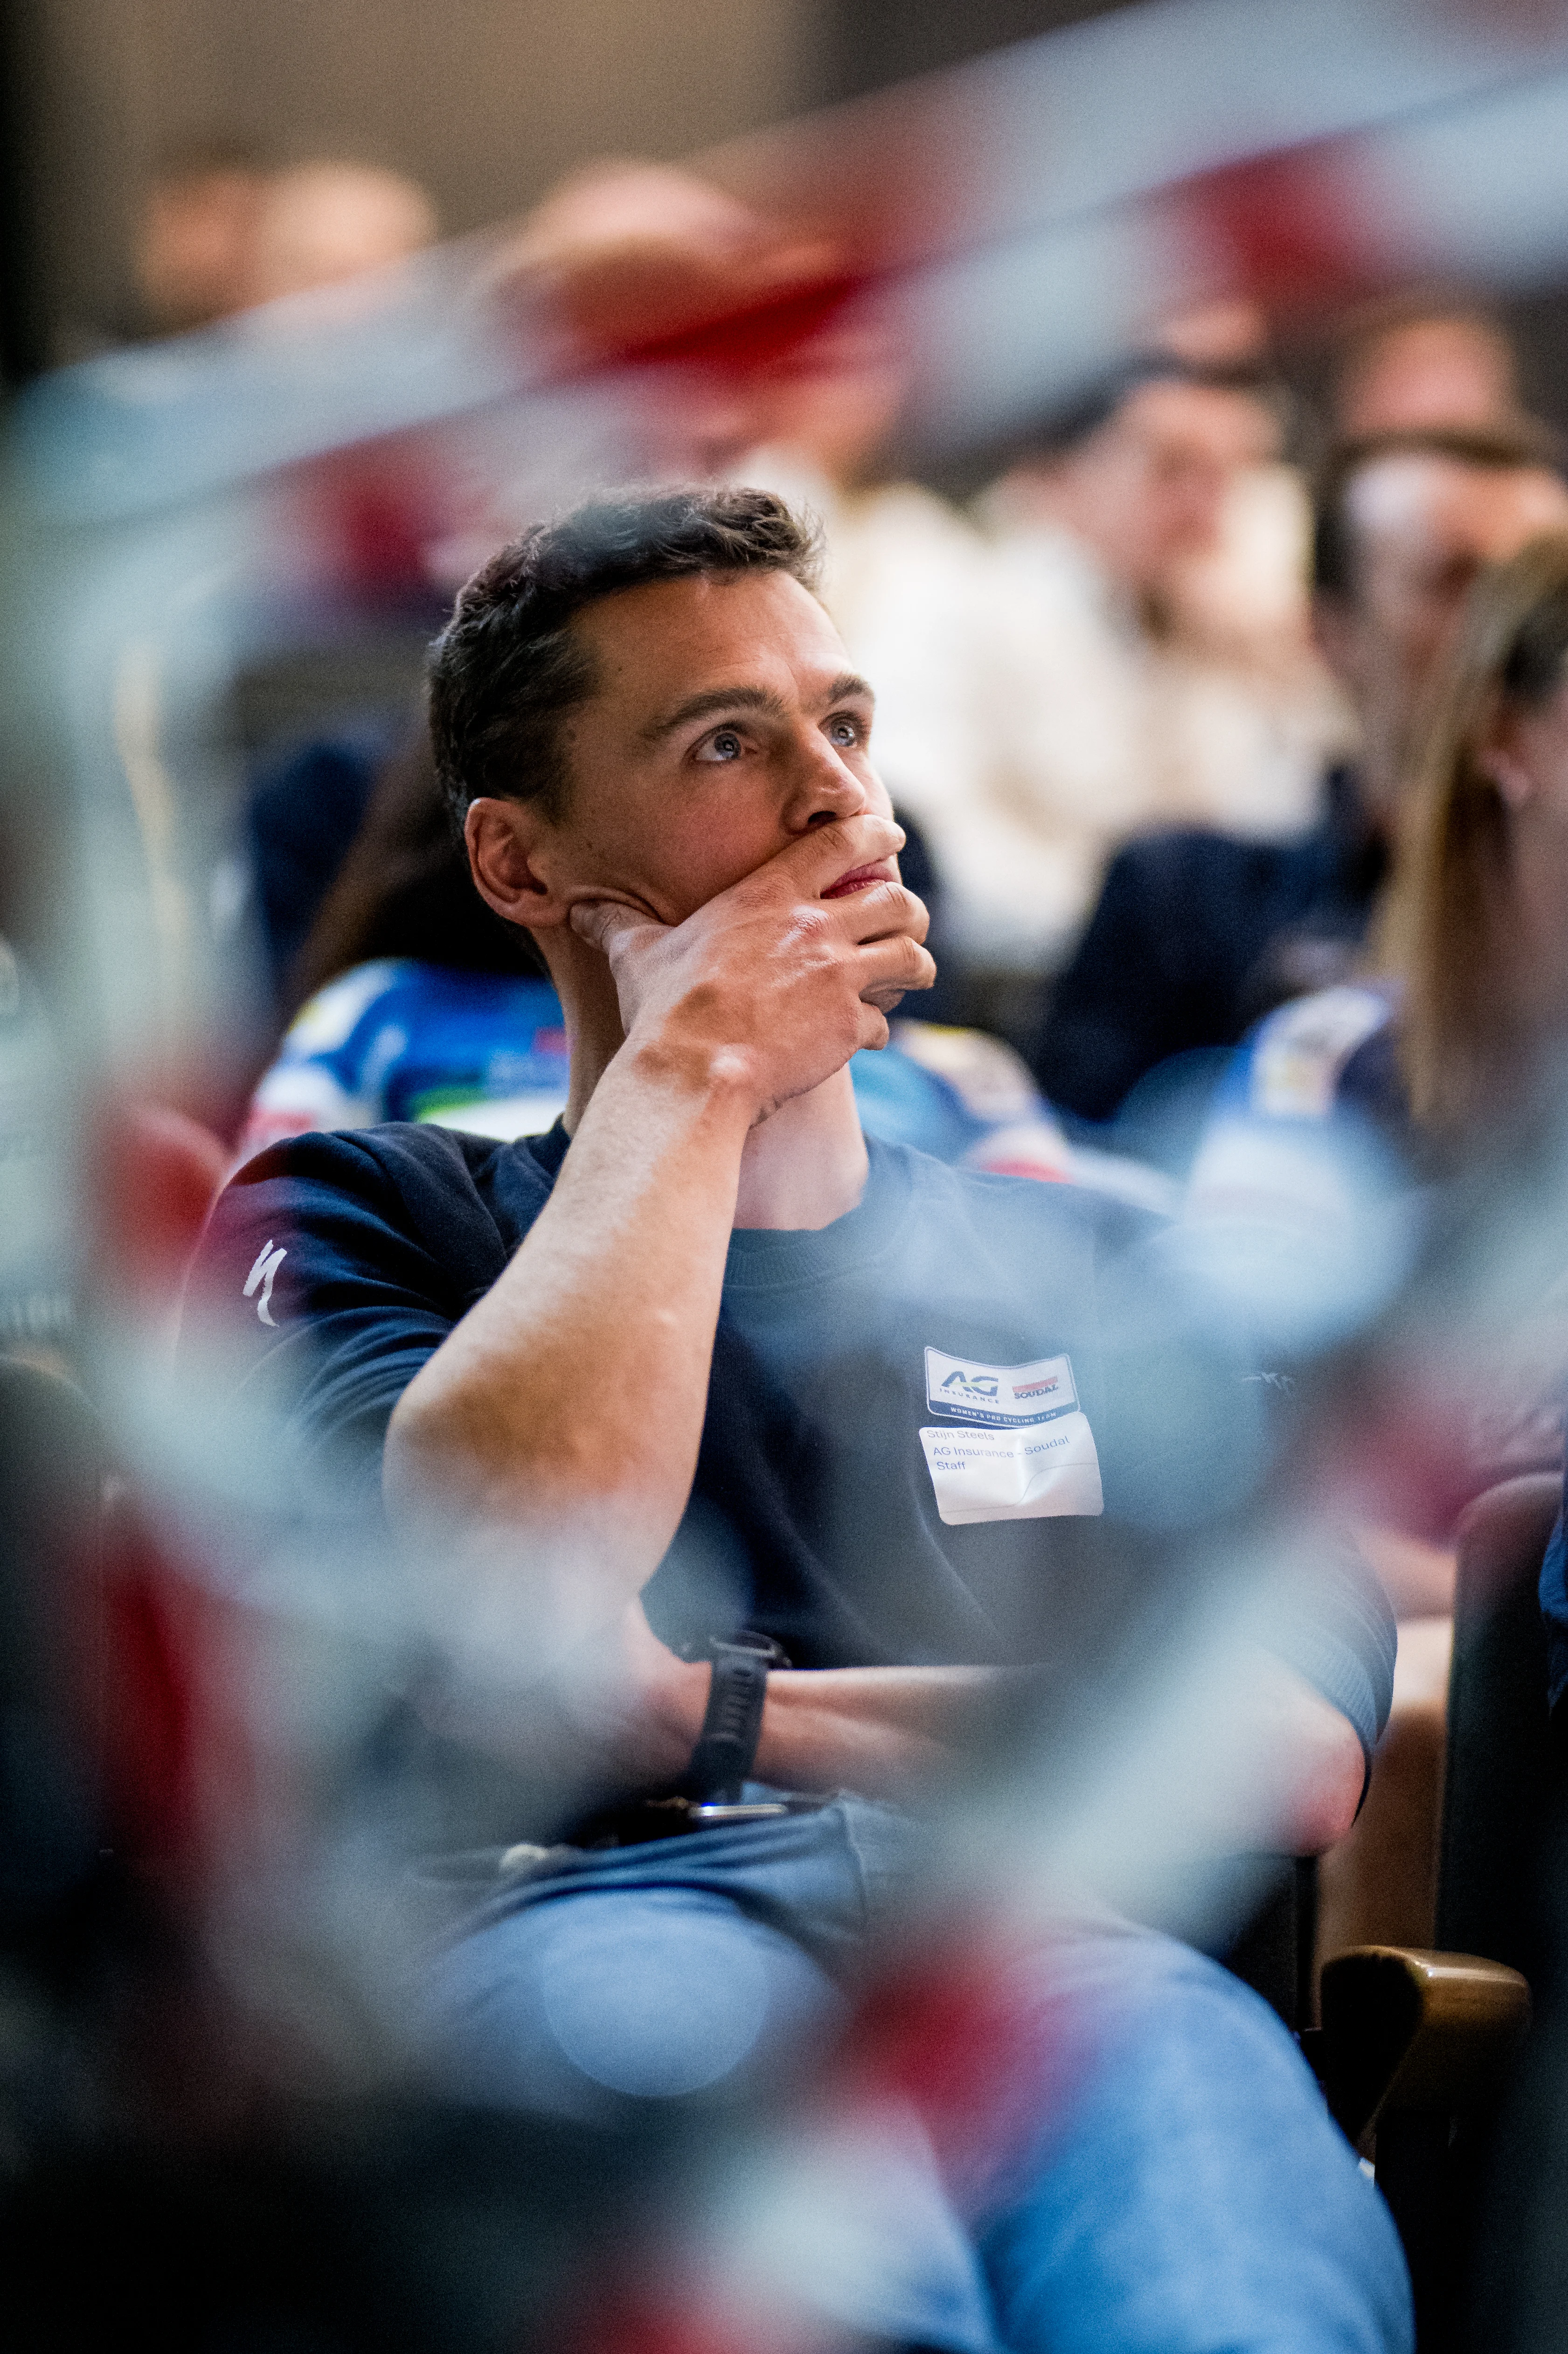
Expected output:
{"points": [[885, 1732], [1293, 1786], [555, 1433], [627, 1712], [623, 1710]]}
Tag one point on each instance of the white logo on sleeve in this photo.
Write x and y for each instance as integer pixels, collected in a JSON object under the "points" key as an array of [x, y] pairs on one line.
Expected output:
{"points": [[268, 1262], [1027, 1453]]}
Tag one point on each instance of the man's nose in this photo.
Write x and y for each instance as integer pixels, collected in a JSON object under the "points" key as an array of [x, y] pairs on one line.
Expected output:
{"points": [[824, 789]]}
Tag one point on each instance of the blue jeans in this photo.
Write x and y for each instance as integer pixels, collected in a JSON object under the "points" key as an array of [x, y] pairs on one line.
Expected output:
{"points": [[1182, 2186]]}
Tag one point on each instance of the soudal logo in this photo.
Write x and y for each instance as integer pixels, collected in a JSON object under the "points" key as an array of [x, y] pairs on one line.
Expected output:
{"points": [[1002, 1397]]}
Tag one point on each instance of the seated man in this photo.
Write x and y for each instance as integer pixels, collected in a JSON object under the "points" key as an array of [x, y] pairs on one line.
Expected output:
{"points": [[700, 1365]]}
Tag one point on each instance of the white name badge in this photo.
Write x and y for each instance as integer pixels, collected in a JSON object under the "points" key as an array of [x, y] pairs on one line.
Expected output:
{"points": [[1016, 1445], [1033, 1472]]}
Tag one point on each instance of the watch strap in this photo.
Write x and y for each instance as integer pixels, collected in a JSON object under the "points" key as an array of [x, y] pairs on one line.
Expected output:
{"points": [[732, 1725]]}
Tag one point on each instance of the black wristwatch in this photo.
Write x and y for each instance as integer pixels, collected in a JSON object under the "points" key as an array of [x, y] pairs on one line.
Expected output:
{"points": [[733, 1724]]}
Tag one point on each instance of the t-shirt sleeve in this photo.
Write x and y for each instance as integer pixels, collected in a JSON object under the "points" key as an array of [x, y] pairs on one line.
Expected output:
{"points": [[1336, 1630], [1214, 1434], [314, 1299]]}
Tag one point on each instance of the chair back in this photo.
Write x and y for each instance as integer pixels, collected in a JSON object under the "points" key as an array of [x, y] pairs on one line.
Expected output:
{"points": [[1498, 1777]]}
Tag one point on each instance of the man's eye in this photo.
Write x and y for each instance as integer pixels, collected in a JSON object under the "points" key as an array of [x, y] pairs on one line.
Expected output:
{"points": [[846, 733], [723, 744]]}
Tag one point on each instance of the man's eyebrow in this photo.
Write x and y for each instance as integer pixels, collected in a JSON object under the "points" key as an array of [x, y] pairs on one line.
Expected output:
{"points": [[716, 698], [847, 687]]}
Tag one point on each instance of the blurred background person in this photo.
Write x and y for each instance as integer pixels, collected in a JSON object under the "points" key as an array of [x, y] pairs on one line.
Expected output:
{"points": [[649, 266], [222, 236], [1134, 699], [1414, 365], [1448, 1047], [1476, 925], [220, 231], [413, 999], [1197, 934], [1120, 525], [320, 224], [1465, 1003], [1236, 610], [194, 253]]}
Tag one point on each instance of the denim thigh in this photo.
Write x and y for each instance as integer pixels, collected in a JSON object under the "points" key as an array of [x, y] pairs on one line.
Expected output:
{"points": [[1189, 2193], [1195, 2196], [677, 1967]]}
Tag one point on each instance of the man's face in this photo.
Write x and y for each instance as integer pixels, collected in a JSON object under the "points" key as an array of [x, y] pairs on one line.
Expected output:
{"points": [[193, 250], [1149, 489], [726, 722], [1424, 526], [1427, 372]]}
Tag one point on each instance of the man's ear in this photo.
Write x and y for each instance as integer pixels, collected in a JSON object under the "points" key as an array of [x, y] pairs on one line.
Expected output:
{"points": [[505, 839]]}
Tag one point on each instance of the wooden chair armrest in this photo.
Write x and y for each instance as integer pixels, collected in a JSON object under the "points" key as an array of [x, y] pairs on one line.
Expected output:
{"points": [[1406, 2029]]}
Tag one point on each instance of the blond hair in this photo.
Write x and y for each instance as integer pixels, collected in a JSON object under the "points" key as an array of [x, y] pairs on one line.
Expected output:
{"points": [[1447, 934]]}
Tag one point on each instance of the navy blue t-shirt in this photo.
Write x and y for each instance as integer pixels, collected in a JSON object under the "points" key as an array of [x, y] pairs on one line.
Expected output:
{"points": [[969, 1422]]}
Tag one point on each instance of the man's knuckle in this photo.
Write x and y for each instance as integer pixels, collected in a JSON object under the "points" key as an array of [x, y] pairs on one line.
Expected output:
{"points": [[813, 920]]}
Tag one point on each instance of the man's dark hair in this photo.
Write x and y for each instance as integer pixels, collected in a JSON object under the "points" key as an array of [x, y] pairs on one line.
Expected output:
{"points": [[1502, 449], [508, 667]]}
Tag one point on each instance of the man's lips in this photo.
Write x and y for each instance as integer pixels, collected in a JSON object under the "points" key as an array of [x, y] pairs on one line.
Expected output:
{"points": [[861, 878]]}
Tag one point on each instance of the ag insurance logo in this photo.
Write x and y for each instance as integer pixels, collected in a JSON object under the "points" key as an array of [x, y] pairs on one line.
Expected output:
{"points": [[962, 1389]]}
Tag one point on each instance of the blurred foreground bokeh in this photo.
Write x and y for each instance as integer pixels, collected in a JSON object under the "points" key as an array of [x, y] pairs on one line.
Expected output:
{"points": [[242, 1751]]}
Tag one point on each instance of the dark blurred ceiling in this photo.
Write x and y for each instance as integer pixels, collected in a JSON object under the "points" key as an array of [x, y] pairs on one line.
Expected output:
{"points": [[879, 41]]}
